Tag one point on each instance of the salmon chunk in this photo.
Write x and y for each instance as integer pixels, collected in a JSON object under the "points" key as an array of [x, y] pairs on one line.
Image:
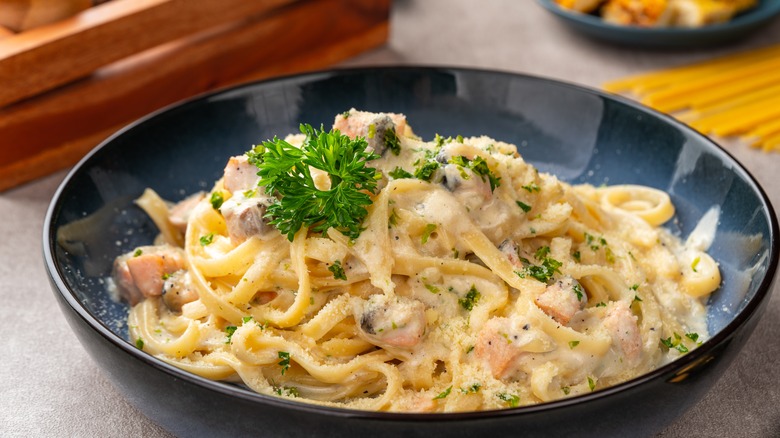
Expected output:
{"points": [[622, 327], [142, 273], [240, 174], [179, 214], [562, 299], [503, 344]]}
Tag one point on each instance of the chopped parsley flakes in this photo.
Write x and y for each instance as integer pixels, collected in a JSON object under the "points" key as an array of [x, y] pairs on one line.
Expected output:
{"points": [[429, 229], [577, 288], [695, 263], [399, 173], [285, 360], [391, 141], [525, 207], [216, 200], [542, 273], [207, 239], [337, 270], [286, 391], [443, 394], [677, 343], [230, 330], [426, 170], [530, 188], [511, 399], [471, 298], [473, 389]]}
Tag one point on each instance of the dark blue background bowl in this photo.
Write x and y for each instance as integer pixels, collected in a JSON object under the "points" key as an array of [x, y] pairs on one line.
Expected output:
{"points": [[741, 26], [579, 134]]}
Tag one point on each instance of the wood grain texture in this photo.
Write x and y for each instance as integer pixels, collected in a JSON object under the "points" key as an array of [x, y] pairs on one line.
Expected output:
{"points": [[49, 56], [53, 130]]}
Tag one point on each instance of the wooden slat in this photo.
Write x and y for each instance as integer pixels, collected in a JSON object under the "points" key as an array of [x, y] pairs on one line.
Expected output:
{"points": [[44, 58], [78, 116]]}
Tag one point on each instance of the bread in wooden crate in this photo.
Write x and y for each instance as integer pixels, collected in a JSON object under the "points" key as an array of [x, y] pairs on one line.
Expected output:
{"points": [[50, 130]]}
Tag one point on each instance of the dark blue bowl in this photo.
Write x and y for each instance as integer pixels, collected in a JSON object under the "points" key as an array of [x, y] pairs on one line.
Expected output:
{"points": [[579, 134], [741, 26]]}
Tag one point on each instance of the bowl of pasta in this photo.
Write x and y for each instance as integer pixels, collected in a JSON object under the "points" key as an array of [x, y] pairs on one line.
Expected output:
{"points": [[423, 251], [664, 23]]}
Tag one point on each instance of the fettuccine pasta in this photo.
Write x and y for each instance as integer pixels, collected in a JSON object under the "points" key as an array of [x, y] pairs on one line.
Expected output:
{"points": [[475, 282]]}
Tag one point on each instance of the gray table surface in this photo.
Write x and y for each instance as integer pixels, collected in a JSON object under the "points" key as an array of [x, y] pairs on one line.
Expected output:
{"points": [[52, 388]]}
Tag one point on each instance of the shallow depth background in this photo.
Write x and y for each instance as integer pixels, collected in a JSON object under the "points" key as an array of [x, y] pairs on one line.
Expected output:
{"points": [[52, 388]]}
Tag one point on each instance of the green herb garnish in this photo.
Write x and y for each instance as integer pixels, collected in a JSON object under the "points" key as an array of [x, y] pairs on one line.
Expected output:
{"points": [[285, 172], [530, 188], [525, 207], [392, 142], [544, 272], [577, 288], [207, 239], [511, 399], [676, 343], [138, 252], [216, 200], [139, 344], [289, 391], [429, 229], [573, 344], [393, 219], [473, 389], [285, 360], [230, 330], [443, 394], [480, 167], [471, 298], [337, 270], [399, 173], [426, 170], [542, 252]]}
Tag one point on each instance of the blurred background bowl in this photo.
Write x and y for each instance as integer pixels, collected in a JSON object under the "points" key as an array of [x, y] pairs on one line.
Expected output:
{"points": [[667, 37], [578, 134]]}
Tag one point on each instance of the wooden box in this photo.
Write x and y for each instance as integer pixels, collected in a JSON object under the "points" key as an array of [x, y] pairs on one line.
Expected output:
{"points": [[66, 86]]}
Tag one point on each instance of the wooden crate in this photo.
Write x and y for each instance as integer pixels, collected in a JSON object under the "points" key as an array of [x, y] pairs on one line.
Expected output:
{"points": [[67, 86]]}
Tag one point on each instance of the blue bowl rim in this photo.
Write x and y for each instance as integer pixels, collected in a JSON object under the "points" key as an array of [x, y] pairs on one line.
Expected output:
{"points": [[745, 20], [688, 360]]}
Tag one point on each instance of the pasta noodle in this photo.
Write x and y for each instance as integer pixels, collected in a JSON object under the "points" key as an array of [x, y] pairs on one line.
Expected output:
{"points": [[483, 285]]}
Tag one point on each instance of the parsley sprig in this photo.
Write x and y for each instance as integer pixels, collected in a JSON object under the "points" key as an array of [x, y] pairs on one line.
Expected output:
{"points": [[285, 173]]}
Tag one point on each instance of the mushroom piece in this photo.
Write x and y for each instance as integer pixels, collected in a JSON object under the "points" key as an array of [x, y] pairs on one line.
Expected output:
{"points": [[245, 216], [395, 323]]}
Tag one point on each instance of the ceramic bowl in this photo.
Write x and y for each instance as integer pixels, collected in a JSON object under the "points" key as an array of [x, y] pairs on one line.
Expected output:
{"points": [[578, 134], [681, 38]]}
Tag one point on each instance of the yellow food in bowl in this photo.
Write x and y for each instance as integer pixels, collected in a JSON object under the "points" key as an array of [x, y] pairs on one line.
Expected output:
{"points": [[661, 13]]}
